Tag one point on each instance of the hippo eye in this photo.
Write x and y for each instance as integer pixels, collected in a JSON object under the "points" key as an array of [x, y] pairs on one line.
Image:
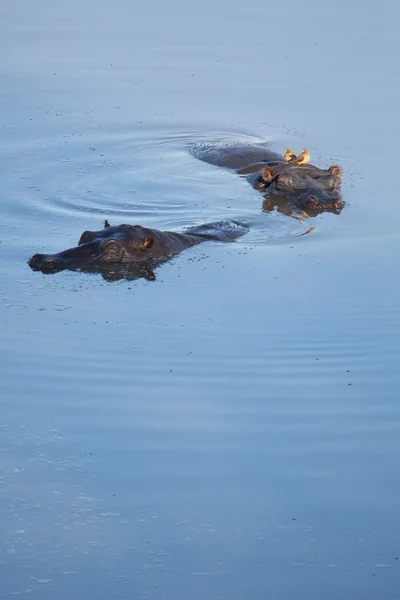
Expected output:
{"points": [[112, 251], [87, 236]]}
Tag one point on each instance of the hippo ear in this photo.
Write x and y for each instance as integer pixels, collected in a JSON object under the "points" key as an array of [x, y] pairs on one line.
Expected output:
{"points": [[106, 224], [148, 242], [335, 170], [268, 174]]}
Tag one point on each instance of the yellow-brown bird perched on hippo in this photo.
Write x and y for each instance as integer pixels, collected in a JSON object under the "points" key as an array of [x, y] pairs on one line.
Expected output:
{"points": [[289, 154], [303, 158]]}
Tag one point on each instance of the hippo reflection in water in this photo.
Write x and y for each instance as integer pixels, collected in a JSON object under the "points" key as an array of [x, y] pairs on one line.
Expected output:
{"points": [[290, 183], [131, 251]]}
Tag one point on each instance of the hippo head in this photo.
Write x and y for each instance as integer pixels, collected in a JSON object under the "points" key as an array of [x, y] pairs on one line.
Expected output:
{"points": [[304, 187], [97, 250]]}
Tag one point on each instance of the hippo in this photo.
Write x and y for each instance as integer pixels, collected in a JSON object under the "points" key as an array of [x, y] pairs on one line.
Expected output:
{"points": [[307, 188], [131, 251], [290, 183]]}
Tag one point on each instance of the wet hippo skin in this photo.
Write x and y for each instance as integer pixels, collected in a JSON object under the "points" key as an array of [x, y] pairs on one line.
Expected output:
{"points": [[132, 244]]}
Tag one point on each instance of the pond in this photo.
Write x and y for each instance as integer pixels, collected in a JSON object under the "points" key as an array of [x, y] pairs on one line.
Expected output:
{"points": [[231, 429]]}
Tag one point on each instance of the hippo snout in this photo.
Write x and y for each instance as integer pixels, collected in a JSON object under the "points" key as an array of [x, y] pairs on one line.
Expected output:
{"points": [[45, 263]]}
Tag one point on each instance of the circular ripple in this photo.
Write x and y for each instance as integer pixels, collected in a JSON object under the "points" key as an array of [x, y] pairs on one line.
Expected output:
{"points": [[149, 177]]}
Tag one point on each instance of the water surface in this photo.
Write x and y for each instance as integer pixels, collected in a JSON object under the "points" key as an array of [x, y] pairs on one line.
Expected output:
{"points": [[230, 430]]}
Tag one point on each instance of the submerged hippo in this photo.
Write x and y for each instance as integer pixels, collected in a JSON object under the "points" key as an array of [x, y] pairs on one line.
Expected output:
{"points": [[289, 182], [132, 246]]}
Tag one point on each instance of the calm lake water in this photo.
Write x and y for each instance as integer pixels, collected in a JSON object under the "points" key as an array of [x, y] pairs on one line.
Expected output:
{"points": [[231, 430]]}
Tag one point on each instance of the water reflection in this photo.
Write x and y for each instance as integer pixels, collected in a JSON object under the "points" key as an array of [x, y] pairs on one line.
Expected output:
{"points": [[285, 207], [130, 271]]}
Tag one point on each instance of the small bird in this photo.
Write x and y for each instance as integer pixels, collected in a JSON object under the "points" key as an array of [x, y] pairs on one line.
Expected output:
{"points": [[302, 158], [289, 154]]}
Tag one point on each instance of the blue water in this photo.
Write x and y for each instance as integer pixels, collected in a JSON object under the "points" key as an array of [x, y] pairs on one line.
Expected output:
{"points": [[230, 430]]}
